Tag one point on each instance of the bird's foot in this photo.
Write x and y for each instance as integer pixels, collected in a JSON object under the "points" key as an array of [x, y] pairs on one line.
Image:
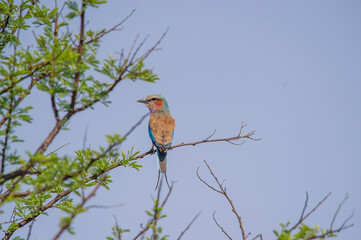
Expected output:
{"points": [[151, 151]]}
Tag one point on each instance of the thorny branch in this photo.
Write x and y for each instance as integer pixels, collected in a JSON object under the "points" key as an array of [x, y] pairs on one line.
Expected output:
{"points": [[222, 190]]}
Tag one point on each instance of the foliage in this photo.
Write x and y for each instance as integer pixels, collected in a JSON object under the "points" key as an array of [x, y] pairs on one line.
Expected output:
{"points": [[62, 64], [304, 232]]}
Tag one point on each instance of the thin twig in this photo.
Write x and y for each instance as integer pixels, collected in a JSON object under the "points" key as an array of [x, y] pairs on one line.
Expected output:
{"points": [[66, 144], [104, 206], [330, 231], [35, 215], [337, 211], [78, 208], [222, 190], [225, 233], [189, 225], [155, 217], [7, 132], [114, 28], [303, 218], [218, 191], [258, 236], [29, 232], [208, 140]]}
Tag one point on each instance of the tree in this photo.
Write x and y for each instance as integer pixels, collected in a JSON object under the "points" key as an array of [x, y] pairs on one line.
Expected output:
{"points": [[62, 63]]}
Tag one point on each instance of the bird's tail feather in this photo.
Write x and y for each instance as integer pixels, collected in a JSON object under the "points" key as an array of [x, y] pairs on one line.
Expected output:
{"points": [[162, 161], [162, 164], [166, 179]]}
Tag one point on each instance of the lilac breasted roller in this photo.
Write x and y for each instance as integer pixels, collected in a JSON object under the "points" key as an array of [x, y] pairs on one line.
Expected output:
{"points": [[161, 129]]}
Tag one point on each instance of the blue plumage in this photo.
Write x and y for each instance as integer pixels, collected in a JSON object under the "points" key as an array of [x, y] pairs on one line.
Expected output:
{"points": [[161, 129]]}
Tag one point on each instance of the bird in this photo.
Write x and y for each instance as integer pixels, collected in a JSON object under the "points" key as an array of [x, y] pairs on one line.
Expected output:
{"points": [[161, 129]]}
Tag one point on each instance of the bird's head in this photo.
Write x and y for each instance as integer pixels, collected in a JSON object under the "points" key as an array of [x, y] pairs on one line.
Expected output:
{"points": [[155, 102]]}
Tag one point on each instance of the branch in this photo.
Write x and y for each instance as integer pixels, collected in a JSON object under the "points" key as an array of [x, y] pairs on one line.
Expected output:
{"points": [[7, 131], [225, 233], [35, 215], [80, 54], [258, 236], [78, 208], [189, 225], [55, 109], [29, 232], [155, 217], [303, 218], [18, 101], [208, 140], [114, 28], [23, 171], [222, 191], [330, 231]]}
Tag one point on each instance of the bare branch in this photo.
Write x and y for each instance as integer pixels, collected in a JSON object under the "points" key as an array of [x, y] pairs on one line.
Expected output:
{"points": [[304, 208], [337, 211], [207, 183], [208, 140], [225, 233], [155, 46], [114, 28], [30, 228], [303, 218], [330, 231], [189, 225], [222, 190], [258, 236], [104, 206], [211, 135]]}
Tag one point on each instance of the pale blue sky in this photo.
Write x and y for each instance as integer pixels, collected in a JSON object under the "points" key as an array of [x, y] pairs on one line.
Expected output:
{"points": [[289, 69]]}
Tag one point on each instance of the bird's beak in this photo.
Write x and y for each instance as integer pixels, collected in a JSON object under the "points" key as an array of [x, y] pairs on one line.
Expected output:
{"points": [[141, 101]]}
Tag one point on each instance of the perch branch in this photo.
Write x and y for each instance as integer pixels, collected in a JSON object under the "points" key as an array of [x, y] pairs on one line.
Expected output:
{"points": [[208, 139]]}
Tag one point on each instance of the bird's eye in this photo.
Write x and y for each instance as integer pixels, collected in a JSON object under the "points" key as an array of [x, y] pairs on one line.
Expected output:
{"points": [[152, 99]]}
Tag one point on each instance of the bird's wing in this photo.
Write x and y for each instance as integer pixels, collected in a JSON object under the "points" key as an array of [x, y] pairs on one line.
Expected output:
{"points": [[161, 130]]}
